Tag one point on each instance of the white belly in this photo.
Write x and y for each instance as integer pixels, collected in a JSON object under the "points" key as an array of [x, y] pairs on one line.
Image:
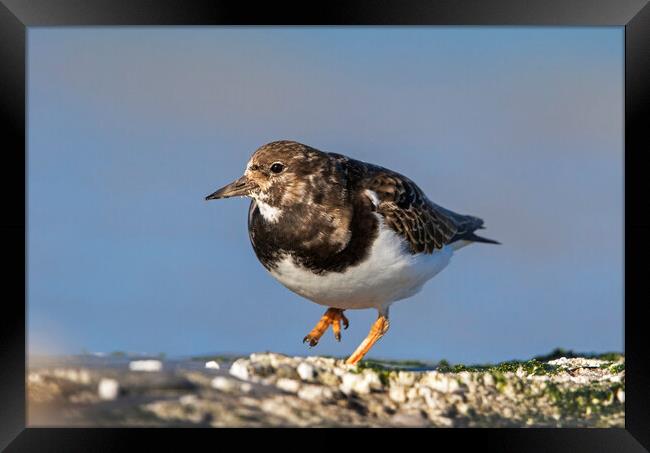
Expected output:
{"points": [[388, 274]]}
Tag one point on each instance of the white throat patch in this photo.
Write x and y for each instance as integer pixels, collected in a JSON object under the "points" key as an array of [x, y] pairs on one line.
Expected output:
{"points": [[270, 213]]}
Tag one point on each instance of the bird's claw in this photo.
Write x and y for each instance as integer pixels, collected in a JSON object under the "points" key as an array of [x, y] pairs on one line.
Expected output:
{"points": [[332, 317], [345, 321]]}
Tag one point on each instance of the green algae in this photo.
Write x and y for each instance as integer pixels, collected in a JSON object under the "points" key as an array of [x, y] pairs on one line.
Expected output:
{"points": [[585, 401], [530, 367], [379, 368], [558, 353]]}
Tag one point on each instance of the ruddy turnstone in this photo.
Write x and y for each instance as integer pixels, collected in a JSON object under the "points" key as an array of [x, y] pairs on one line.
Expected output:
{"points": [[344, 233]]}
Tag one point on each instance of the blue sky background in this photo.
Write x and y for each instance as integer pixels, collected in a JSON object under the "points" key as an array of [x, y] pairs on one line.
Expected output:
{"points": [[130, 128]]}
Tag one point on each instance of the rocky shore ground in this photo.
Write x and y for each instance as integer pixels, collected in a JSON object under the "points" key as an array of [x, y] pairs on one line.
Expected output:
{"points": [[268, 389]]}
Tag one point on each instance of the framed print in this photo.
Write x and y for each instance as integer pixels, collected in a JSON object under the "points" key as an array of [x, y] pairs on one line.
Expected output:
{"points": [[443, 225]]}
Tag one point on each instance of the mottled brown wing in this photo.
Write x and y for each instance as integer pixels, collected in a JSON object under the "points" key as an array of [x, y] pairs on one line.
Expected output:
{"points": [[406, 209]]}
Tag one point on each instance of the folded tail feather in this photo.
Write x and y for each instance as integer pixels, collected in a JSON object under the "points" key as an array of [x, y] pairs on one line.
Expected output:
{"points": [[476, 238], [468, 225]]}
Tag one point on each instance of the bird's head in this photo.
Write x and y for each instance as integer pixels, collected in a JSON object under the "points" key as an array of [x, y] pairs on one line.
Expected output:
{"points": [[278, 174]]}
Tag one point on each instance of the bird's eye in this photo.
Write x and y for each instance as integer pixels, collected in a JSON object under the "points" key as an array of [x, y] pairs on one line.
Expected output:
{"points": [[277, 167]]}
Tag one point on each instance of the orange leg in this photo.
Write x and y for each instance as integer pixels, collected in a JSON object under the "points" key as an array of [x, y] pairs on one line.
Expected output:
{"points": [[332, 317], [378, 329]]}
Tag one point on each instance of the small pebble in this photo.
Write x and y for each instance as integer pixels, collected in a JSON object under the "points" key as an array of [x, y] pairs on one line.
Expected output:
{"points": [[360, 383], [223, 384], [397, 393], [213, 365], [188, 400], [620, 395], [288, 385], [315, 393]]}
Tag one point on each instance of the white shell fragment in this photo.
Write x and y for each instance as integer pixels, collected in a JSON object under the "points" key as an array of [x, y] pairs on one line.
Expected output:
{"points": [[213, 365], [306, 371], [108, 389]]}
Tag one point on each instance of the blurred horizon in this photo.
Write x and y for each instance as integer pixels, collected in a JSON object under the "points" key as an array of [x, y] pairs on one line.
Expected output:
{"points": [[129, 128]]}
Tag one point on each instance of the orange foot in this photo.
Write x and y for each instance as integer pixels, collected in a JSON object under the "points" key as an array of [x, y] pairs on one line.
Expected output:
{"points": [[332, 317]]}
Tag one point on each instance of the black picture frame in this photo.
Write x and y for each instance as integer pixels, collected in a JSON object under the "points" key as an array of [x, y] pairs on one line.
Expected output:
{"points": [[17, 15]]}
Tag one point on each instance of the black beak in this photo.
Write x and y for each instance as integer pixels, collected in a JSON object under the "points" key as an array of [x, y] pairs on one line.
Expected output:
{"points": [[241, 187]]}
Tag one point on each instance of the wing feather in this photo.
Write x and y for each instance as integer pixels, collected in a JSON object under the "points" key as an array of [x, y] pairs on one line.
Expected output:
{"points": [[425, 225], [407, 210]]}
